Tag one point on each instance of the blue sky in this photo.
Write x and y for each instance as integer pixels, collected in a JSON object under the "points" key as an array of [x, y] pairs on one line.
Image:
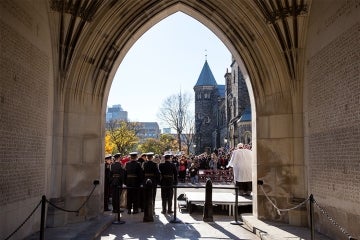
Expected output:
{"points": [[166, 58]]}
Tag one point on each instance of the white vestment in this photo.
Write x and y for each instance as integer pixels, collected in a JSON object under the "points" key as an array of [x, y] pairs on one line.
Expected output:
{"points": [[240, 161]]}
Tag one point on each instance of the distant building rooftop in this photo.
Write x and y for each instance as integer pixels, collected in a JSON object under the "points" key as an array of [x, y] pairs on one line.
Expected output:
{"points": [[246, 115], [206, 77]]}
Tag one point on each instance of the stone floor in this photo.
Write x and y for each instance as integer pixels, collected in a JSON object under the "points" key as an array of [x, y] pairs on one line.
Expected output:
{"points": [[183, 226]]}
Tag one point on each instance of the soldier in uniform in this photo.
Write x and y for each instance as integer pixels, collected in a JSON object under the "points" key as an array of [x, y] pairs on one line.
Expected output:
{"points": [[107, 180], [151, 171], [117, 174], [142, 159], [169, 177], [141, 194], [134, 178]]}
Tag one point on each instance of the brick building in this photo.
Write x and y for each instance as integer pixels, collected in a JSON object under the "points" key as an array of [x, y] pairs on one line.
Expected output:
{"points": [[219, 110]]}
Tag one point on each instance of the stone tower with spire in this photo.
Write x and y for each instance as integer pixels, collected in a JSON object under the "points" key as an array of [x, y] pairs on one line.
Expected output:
{"points": [[206, 96]]}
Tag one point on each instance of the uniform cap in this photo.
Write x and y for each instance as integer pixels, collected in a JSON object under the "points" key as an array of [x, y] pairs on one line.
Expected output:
{"points": [[108, 156], [133, 154], [117, 155], [150, 154], [168, 154]]}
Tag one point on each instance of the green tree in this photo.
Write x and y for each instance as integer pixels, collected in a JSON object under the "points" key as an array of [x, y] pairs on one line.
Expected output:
{"points": [[168, 142], [151, 145], [123, 135]]}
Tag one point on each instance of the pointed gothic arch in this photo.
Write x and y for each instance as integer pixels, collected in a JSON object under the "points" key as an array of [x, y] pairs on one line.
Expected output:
{"points": [[65, 54], [100, 43]]}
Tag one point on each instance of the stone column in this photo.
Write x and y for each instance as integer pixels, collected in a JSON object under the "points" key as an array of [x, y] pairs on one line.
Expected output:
{"points": [[280, 162], [78, 159]]}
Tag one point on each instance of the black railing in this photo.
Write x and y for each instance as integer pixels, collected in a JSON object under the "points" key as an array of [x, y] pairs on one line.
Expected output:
{"points": [[208, 214], [43, 202], [312, 201]]}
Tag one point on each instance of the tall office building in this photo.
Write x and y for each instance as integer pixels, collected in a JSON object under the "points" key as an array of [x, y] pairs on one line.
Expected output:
{"points": [[116, 113]]}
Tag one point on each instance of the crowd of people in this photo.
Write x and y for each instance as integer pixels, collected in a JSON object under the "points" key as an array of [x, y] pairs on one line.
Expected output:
{"points": [[134, 170]]}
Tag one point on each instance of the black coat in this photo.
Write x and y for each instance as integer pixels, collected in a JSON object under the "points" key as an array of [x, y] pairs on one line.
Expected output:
{"points": [[117, 174], [169, 174], [151, 171], [134, 174]]}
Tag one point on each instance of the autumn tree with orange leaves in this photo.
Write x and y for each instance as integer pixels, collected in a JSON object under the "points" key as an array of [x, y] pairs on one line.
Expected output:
{"points": [[121, 136]]}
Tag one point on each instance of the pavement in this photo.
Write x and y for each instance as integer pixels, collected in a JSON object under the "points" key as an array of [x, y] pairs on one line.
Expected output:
{"points": [[183, 226], [267, 230]]}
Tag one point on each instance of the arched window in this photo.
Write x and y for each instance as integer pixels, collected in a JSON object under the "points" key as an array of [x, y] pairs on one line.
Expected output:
{"points": [[234, 107], [247, 137]]}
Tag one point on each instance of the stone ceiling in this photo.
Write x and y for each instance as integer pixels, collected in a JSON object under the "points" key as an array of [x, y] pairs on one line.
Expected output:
{"points": [[93, 36]]}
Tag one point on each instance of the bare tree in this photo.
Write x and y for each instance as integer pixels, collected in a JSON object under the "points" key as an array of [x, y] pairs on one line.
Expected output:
{"points": [[189, 131], [175, 112]]}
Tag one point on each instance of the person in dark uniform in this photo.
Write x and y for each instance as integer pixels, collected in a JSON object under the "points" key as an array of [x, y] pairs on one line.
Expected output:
{"points": [[151, 171], [142, 159], [141, 194], [175, 161], [107, 181], [134, 178], [117, 174], [169, 177]]}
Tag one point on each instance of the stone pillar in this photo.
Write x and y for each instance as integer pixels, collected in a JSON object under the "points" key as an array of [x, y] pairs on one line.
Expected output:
{"points": [[280, 162], [78, 160]]}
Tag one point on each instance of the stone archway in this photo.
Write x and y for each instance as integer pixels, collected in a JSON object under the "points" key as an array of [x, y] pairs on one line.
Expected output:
{"points": [[58, 58], [98, 38]]}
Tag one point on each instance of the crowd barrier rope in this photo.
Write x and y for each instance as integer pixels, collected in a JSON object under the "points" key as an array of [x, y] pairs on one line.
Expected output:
{"points": [[42, 203], [208, 200], [322, 210], [312, 203], [26, 219], [279, 210]]}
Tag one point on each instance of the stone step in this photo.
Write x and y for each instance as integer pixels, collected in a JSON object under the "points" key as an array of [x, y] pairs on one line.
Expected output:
{"points": [[278, 231]]}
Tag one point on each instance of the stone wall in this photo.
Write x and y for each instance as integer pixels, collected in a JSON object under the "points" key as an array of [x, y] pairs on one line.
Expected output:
{"points": [[24, 116], [205, 121], [23, 120], [332, 123]]}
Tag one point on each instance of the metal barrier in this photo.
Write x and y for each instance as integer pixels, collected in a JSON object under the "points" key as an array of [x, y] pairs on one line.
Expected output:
{"points": [[311, 213], [208, 216], [43, 202], [208, 213], [219, 175], [208, 202]]}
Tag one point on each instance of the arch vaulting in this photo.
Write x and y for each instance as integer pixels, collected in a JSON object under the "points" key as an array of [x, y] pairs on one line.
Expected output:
{"points": [[72, 50], [266, 37]]}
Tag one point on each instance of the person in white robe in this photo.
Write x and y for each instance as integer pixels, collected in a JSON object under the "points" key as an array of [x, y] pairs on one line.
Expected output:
{"points": [[240, 162]]}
